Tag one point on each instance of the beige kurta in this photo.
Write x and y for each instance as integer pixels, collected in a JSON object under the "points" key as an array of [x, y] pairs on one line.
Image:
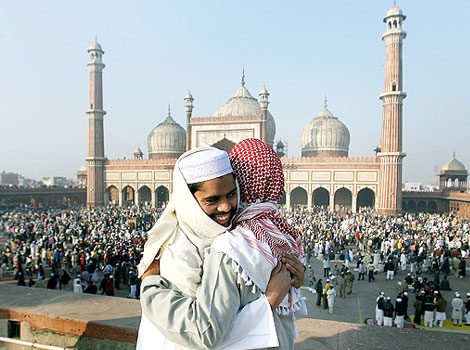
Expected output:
{"points": [[203, 321]]}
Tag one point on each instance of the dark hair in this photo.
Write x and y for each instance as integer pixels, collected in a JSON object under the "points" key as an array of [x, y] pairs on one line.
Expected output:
{"points": [[195, 187]]}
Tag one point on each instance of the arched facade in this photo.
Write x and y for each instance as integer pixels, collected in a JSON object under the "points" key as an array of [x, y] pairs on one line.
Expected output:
{"points": [[321, 178]]}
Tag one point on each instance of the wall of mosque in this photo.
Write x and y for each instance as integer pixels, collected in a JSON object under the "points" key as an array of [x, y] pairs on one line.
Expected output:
{"points": [[335, 182], [208, 131]]}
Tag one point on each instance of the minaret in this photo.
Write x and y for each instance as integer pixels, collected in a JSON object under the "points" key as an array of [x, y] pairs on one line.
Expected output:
{"points": [[188, 106], [95, 112], [264, 102], [391, 153]]}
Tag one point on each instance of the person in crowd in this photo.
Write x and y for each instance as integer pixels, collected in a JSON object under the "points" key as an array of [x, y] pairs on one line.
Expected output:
{"points": [[379, 309], [429, 307], [331, 295], [419, 307], [319, 290], [388, 312], [77, 284], [441, 304], [399, 313], [457, 310]]}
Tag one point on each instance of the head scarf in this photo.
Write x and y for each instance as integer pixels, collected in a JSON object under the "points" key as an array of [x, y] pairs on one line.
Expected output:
{"points": [[261, 179], [181, 213]]}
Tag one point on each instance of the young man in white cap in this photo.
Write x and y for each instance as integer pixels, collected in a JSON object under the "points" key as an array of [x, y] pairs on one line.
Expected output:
{"points": [[203, 203], [457, 310], [379, 309]]}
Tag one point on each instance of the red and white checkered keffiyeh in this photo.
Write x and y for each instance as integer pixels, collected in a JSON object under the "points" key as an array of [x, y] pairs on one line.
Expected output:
{"points": [[259, 173]]}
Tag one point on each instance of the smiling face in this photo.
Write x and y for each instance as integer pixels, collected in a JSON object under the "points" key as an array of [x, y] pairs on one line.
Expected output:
{"points": [[218, 198]]}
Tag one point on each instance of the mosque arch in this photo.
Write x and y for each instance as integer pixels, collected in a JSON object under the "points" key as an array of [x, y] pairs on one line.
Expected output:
{"points": [[298, 196], [343, 199], [421, 206], [321, 197], [365, 198], [411, 207], [161, 195], [111, 195], [432, 207], [144, 194], [128, 195]]}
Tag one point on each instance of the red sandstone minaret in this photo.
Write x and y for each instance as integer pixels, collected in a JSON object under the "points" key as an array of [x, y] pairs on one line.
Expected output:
{"points": [[391, 152], [95, 112]]}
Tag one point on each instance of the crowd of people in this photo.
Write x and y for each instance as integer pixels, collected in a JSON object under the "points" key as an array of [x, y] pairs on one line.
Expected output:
{"points": [[97, 251], [417, 244], [77, 249]]}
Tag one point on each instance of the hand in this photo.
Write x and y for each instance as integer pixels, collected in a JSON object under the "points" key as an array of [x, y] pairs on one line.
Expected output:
{"points": [[153, 269], [278, 285], [296, 268]]}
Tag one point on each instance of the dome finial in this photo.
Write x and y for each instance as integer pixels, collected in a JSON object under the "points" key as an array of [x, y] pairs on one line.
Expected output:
{"points": [[325, 104], [453, 154], [243, 76], [169, 110]]}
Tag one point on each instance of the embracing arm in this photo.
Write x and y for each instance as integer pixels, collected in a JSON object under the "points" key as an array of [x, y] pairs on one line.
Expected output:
{"points": [[195, 322], [204, 321]]}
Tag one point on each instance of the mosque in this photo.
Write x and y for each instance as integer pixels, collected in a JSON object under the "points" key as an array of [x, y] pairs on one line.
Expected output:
{"points": [[324, 174]]}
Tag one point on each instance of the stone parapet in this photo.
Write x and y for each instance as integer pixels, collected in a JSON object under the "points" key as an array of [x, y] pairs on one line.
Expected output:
{"points": [[70, 319]]}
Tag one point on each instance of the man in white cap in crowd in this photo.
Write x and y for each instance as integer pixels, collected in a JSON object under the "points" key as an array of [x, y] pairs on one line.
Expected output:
{"points": [[457, 310], [441, 304], [204, 201], [388, 312], [379, 308]]}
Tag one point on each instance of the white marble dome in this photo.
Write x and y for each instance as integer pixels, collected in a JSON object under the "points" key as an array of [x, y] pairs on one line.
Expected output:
{"points": [[95, 46], [325, 136], [453, 165], [167, 140], [243, 104], [395, 11]]}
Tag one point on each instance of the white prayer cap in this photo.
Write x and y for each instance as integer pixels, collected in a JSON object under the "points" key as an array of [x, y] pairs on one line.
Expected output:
{"points": [[203, 164]]}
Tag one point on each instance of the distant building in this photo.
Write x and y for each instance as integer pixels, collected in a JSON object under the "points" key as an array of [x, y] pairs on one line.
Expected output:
{"points": [[57, 181], [451, 196], [413, 186], [9, 179]]}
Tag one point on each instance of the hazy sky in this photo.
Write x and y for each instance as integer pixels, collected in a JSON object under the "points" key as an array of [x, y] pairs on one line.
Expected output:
{"points": [[156, 50]]}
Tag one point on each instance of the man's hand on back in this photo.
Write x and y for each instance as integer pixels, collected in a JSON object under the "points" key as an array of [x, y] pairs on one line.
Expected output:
{"points": [[296, 268], [278, 285]]}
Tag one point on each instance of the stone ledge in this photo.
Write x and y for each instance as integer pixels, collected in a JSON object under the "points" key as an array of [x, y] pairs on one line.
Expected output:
{"points": [[93, 316]]}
